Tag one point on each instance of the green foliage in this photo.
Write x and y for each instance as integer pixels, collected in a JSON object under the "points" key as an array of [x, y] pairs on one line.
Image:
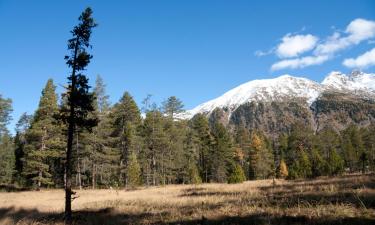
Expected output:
{"points": [[221, 155], [193, 174], [133, 171], [237, 175], [173, 106], [261, 160], [7, 159], [43, 139]]}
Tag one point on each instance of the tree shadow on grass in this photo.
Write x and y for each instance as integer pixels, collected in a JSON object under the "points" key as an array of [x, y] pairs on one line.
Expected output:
{"points": [[109, 216]]}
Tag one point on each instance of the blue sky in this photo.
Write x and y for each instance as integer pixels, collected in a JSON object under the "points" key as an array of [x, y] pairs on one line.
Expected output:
{"points": [[195, 50]]}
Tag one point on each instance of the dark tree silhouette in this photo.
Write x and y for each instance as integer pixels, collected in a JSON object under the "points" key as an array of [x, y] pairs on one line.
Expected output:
{"points": [[79, 99]]}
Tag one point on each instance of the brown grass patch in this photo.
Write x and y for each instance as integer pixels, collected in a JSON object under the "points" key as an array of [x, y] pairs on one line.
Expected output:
{"points": [[340, 200]]}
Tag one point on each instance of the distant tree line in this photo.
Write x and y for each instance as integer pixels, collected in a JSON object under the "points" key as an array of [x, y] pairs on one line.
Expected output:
{"points": [[127, 148]]}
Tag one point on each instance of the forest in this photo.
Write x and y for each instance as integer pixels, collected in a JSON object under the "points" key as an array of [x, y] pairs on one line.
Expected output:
{"points": [[131, 147]]}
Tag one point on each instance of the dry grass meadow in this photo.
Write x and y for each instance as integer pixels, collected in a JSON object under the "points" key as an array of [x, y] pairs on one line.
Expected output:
{"points": [[341, 200]]}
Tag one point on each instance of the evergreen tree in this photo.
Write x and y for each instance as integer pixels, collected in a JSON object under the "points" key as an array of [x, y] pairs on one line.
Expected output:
{"points": [[369, 144], [353, 148], [328, 143], [20, 141], [126, 120], [173, 106], [300, 144], [156, 145], [237, 175], [7, 159], [42, 139], [103, 156], [80, 101], [243, 148], [200, 125], [221, 154], [133, 171]]}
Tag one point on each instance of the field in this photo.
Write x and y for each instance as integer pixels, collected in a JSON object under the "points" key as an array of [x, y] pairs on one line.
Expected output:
{"points": [[340, 200]]}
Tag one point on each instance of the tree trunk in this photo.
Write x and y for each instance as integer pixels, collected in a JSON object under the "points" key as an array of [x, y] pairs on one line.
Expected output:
{"points": [[68, 164], [78, 164], [93, 176]]}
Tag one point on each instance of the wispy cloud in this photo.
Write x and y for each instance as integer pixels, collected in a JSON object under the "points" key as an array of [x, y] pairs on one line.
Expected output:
{"points": [[293, 46], [299, 62], [365, 60], [357, 31]]}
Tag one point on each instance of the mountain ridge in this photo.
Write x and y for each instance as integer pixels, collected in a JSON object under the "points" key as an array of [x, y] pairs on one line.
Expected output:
{"points": [[286, 87]]}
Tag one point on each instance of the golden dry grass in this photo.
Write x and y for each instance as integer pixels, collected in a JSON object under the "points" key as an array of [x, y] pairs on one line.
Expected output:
{"points": [[341, 200]]}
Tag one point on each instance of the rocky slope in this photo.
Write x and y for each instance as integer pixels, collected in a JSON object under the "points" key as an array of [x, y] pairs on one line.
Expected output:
{"points": [[273, 105]]}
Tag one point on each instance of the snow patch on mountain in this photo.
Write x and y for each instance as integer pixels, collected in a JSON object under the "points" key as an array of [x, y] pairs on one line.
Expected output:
{"points": [[356, 81], [286, 87], [266, 90]]}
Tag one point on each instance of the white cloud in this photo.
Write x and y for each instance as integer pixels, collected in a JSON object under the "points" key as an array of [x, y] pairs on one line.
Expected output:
{"points": [[357, 31], [294, 45], [299, 62], [365, 60]]}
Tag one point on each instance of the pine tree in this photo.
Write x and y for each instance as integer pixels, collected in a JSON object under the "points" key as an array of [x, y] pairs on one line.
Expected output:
{"points": [[200, 126], [20, 141], [133, 171], [221, 155], [353, 148], [42, 139], [126, 120], [300, 144], [7, 158], [328, 144], [190, 172], [173, 106], [156, 145], [369, 144], [103, 156], [80, 101]]}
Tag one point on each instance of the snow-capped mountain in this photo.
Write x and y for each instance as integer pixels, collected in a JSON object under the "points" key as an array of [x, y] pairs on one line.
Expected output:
{"points": [[286, 87], [356, 81]]}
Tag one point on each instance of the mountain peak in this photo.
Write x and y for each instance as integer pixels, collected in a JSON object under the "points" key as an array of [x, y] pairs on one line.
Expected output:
{"points": [[356, 80], [264, 90]]}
